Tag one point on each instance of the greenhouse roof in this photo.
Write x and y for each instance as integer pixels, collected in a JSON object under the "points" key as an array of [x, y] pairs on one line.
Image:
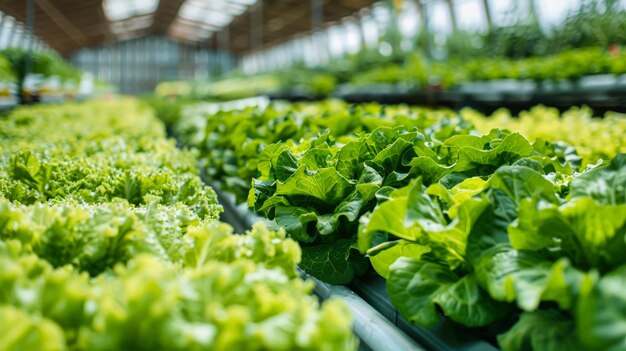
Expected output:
{"points": [[237, 25]]}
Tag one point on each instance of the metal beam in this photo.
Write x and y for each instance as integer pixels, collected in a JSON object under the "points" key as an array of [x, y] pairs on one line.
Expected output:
{"points": [[256, 25], [2, 21], [317, 14], [452, 15], [64, 24], [424, 27], [532, 9], [488, 13], [223, 39], [165, 15]]}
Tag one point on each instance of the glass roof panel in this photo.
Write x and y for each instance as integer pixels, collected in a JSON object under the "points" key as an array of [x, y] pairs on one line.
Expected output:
{"points": [[132, 25], [243, 2], [198, 19], [120, 10], [129, 18]]}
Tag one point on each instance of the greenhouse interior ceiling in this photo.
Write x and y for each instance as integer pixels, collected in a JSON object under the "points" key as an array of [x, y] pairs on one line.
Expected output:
{"points": [[246, 25], [201, 39], [68, 25]]}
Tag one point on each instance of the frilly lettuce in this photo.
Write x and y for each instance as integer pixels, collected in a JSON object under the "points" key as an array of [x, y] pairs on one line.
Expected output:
{"points": [[231, 142], [147, 304], [109, 241]]}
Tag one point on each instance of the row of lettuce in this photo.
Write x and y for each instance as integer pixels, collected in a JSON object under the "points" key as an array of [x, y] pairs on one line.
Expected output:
{"points": [[49, 74], [589, 40], [520, 236], [569, 65], [109, 240], [414, 71]]}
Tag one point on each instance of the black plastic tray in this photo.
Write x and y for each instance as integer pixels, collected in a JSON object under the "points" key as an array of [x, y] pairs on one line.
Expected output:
{"points": [[600, 92]]}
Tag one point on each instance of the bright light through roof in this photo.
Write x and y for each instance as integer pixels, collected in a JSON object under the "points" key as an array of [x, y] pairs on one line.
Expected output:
{"points": [[243, 2], [198, 19], [120, 10], [132, 25], [209, 11]]}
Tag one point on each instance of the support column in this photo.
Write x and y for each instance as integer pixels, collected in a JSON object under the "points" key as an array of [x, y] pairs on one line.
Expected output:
{"points": [[452, 15], [317, 15], [256, 26], [423, 29], [488, 14], [30, 28]]}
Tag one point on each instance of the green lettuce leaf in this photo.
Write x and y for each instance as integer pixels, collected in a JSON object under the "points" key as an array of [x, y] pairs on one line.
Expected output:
{"points": [[21, 331], [605, 184], [384, 255], [334, 263], [589, 233], [418, 287], [529, 278], [600, 313], [545, 330]]}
